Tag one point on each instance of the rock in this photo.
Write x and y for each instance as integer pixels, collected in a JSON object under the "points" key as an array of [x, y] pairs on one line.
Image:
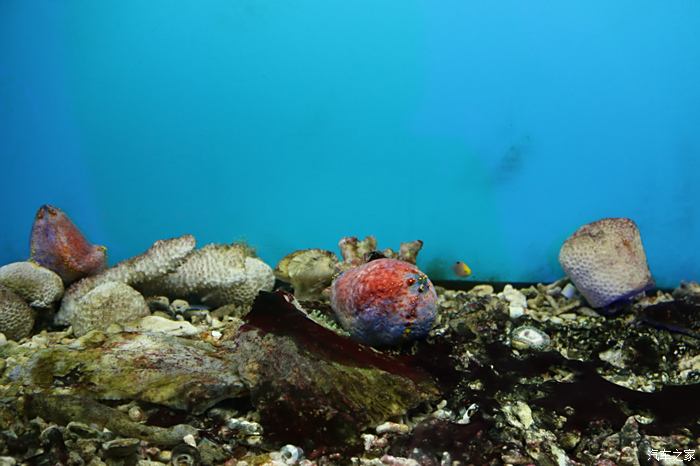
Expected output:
{"points": [[315, 388], [606, 261], [58, 245], [216, 275], [16, 317], [384, 302], [309, 271], [162, 257], [106, 304], [156, 324], [38, 286], [517, 301], [526, 337], [155, 368], [64, 409]]}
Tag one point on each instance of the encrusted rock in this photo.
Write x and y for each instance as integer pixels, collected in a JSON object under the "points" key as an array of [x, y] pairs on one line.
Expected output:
{"points": [[156, 368], [38, 286], [106, 304], [606, 261], [16, 317], [162, 257], [216, 275]]}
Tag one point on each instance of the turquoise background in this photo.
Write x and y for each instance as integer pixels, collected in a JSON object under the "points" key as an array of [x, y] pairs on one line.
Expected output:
{"points": [[490, 129]]}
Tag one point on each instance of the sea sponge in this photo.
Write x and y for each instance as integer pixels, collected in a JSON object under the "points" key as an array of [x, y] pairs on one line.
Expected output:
{"points": [[16, 317], [162, 257], [310, 271], [384, 302], [606, 261], [58, 245], [106, 304], [38, 286], [215, 275]]}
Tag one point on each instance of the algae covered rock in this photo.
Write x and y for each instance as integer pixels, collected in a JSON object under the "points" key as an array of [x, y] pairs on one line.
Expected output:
{"points": [[156, 368], [313, 387], [38, 286], [106, 304], [16, 317]]}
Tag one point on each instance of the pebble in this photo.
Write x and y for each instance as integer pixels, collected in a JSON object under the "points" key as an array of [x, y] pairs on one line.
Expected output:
{"points": [[179, 306], [291, 454], [527, 337], [393, 428], [569, 291]]}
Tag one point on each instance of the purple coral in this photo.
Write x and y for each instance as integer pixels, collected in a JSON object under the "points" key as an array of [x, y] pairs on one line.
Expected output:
{"points": [[606, 261]]}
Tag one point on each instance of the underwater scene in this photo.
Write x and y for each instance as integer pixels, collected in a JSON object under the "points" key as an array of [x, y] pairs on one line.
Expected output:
{"points": [[368, 233]]}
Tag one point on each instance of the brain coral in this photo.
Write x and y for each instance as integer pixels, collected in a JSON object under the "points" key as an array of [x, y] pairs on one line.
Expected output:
{"points": [[16, 317], [38, 286], [606, 261], [108, 303]]}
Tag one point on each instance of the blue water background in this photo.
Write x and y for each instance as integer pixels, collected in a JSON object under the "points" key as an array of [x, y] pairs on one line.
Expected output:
{"points": [[490, 129]]}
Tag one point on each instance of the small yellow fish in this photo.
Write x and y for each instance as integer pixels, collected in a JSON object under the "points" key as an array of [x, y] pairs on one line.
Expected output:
{"points": [[461, 269]]}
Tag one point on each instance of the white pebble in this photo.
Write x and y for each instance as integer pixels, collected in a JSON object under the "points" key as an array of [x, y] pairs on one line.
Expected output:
{"points": [[393, 427], [569, 291], [189, 440]]}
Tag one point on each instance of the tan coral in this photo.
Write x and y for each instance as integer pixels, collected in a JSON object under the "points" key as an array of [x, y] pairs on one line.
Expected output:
{"points": [[16, 317], [162, 257], [106, 304], [215, 275], [309, 271], [606, 261], [37, 285]]}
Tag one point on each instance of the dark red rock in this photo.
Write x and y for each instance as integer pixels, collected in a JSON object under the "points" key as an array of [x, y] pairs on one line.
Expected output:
{"points": [[58, 245]]}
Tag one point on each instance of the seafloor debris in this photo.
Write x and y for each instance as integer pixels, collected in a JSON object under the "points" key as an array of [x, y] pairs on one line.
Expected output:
{"points": [[58, 245], [606, 261], [384, 302], [282, 389]]}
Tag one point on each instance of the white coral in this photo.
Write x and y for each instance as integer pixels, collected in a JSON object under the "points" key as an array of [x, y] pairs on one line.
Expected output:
{"points": [[216, 275]]}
